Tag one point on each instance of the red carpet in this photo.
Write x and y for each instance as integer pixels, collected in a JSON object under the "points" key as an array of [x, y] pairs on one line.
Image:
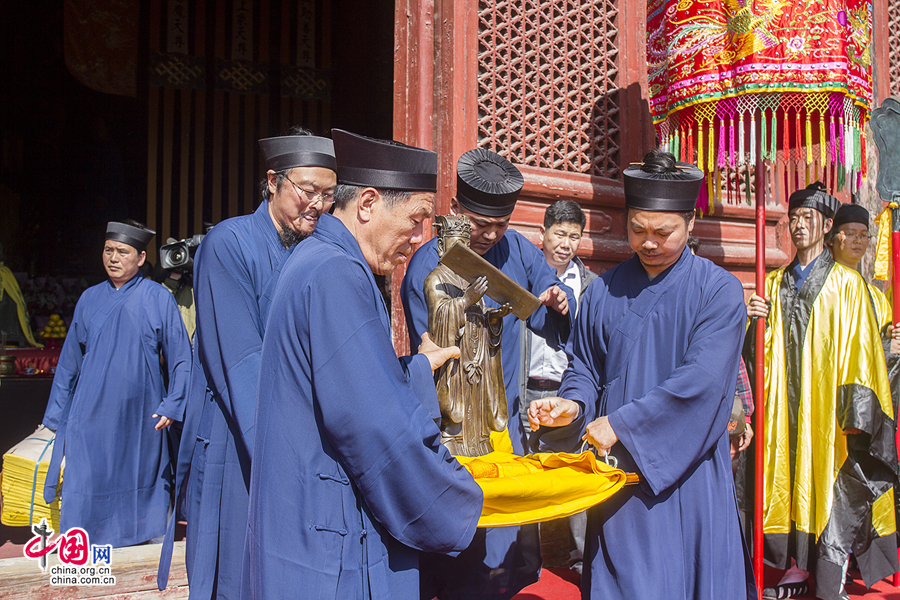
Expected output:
{"points": [[555, 584], [562, 584], [882, 590]]}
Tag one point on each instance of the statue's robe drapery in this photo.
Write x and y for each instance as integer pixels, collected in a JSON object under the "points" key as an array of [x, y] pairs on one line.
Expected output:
{"points": [[827, 493], [470, 389], [351, 478], [660, 358], [502, 560], [108, 384]]}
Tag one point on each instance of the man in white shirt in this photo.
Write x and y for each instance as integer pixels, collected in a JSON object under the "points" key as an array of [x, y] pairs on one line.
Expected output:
{"points": [[543, 366]]}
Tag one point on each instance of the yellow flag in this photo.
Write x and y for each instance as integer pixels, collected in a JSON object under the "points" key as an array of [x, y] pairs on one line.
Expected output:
{"points": [[883, 246]]}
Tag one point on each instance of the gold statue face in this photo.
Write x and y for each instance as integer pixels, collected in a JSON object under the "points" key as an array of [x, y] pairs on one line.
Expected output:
{"points": [[452, 229]]}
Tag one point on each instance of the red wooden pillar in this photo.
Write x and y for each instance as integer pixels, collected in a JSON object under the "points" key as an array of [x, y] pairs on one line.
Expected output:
{"points": [[413, 107], [435, 101]]}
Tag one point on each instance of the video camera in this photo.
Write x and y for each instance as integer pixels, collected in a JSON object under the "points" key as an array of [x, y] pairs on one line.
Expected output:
{"points": [[179, 255]]}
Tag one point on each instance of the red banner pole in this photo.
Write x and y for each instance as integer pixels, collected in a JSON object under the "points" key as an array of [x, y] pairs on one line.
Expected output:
{"points": [[895, 305], [759, 385], [895, 262]]}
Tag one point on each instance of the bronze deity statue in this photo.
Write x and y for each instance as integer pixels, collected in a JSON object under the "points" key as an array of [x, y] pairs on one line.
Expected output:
{"points": [[471, 388]]}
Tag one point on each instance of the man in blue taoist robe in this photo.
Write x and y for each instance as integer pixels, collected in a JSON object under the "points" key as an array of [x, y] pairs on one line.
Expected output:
{"points": [[109, 405], [653, 363], [502, 560], [350, 477], [235, 271]]}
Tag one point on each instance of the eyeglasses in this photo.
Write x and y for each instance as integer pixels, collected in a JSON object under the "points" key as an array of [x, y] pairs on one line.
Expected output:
{"points": [[313, 196], [859, 237]]}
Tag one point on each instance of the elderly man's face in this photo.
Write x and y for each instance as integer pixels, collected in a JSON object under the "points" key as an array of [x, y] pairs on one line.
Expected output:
{"points": [[394, 233], [658, 238], [292, 204], [122, 262], [850, 243]]}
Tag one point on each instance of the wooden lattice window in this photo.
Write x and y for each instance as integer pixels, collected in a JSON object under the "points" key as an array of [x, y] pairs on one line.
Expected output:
{"points": [[894, 45], [548, 84]]}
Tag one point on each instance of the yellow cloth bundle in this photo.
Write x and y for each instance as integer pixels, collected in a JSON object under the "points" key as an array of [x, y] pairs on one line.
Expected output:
{"points": [[883, 244], [539, 487], [24, 470]]}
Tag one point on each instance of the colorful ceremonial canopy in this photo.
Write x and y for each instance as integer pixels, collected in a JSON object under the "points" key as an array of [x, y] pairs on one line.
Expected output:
{"points": [[788, 80]]}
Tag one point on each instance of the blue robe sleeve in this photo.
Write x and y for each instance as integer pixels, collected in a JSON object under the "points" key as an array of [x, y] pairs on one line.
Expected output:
{"points": [[385, 439], [581, 380], [412, 292], [421, 378], [228, 329], [176, 349], [670, 428], [68, 369]]}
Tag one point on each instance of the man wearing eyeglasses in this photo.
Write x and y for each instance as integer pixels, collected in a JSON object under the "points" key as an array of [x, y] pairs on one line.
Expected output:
{"points": [[830, 454], [235, 271], [848, 242], [349, 478]]}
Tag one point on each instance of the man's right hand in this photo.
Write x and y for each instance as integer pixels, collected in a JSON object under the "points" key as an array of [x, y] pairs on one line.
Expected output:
{"points": [[758, 307], [435, 354], [551, 412]]}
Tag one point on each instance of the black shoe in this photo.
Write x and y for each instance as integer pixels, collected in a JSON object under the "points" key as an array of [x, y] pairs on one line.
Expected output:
{"points": [[787, 590]]}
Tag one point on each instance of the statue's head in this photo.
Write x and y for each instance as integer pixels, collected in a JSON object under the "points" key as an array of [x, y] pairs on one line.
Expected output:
{"points": [[450, 230]]}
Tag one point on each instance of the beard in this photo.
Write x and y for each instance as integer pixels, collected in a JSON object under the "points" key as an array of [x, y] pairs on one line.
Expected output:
{"points": [[288, 236]]}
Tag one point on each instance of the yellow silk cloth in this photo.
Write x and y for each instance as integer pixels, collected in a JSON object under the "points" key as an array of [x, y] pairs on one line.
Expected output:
{"points": [[9, 285], [883, 244], [539, 487], [842, 347], [883, 256]]}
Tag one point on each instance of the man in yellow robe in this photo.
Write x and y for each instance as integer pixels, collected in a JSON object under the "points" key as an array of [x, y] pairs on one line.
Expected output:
{"points": [[848, 241], [830, 455]]}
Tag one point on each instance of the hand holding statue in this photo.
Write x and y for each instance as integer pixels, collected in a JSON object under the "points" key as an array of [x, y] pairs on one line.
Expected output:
{"points": [[436, 355]]}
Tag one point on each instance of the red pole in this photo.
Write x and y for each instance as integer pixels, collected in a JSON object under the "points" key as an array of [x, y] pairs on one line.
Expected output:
{"points": [[895, 305], [895, 263], [760, 372]]}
